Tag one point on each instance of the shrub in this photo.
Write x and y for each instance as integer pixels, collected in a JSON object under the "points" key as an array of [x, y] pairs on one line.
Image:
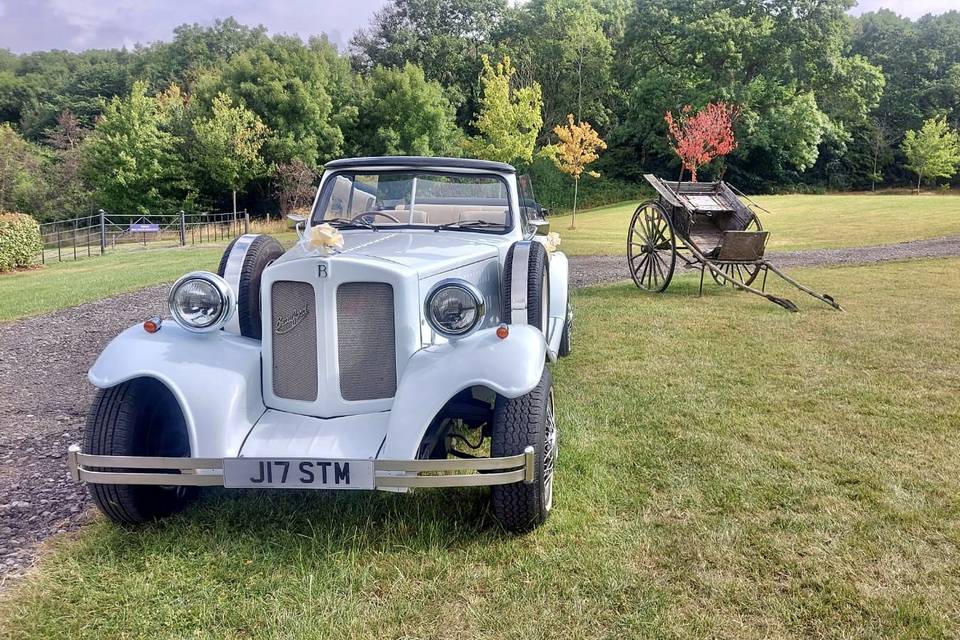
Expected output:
{"points": [[20, 240]]}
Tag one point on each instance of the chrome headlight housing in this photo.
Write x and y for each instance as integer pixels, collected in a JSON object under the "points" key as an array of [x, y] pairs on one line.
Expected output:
{"points": [[201, 301], [454, 308]]}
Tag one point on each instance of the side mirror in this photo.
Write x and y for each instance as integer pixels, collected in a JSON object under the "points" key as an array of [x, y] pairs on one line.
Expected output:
{"points": [[299, 222], [544, 212], [540, 227]]}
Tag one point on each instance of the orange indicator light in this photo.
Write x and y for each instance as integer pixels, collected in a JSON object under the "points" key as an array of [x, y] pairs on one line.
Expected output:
{"points": [[503, 331]]}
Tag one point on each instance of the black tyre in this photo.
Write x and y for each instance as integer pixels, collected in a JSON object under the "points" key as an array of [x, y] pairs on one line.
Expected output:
{"points": [[564, 350], [537, 282], [518, 423], [250, 256], [137, 418]]}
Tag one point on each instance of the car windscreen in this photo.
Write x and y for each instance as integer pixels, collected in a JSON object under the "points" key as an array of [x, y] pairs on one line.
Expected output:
{"points": [[415, 199]]}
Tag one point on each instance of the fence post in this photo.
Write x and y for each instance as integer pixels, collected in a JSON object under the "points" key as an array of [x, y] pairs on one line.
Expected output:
{"points": [[183, 229], [103, 231], [75, 222], [246, 221], [59, 257]]}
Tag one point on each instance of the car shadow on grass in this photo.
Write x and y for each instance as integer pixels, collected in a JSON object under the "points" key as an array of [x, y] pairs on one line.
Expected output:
{"points": [[317, 523]]}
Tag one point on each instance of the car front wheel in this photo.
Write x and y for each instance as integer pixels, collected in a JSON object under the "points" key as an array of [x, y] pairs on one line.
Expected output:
{"points": [[529, 420], [139, 417]]}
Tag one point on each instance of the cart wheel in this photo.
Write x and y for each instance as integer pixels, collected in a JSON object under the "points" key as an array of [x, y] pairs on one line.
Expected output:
{"points": [[745, 273], [651, 247]]}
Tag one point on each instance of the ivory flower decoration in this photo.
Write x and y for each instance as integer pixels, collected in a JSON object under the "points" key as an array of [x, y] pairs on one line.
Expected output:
{"points": [[325, 238], [550, 241]]}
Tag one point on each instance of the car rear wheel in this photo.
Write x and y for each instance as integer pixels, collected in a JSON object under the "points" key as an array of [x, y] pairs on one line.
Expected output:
{"points": [[529, 420], [139, 417]]}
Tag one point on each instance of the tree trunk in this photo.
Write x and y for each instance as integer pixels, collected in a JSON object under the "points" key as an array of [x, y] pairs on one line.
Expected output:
{"points": [[234, 204], [919, 179], [573, 218]]}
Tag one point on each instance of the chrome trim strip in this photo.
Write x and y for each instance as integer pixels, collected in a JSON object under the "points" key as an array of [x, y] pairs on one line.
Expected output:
{"points": [[471, 480], [508, 469], [231, 273], [167, 479], [518, 282]]}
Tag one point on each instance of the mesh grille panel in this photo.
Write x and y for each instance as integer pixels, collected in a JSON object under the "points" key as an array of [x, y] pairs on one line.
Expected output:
{"points": [[294, 331], [366, 343]]}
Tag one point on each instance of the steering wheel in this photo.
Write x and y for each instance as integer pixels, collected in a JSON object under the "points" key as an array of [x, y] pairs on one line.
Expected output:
{"points": [[364, 217]]}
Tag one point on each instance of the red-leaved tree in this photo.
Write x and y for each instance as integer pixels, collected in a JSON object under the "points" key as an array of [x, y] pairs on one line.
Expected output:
{"points": [[697, 138]]}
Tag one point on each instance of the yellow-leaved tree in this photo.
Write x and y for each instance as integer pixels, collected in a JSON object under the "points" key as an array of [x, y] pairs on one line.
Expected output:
{"points": [[579, 145], [509, 117]]}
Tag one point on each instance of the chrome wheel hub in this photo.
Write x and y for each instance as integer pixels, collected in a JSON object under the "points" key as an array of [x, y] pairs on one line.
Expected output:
{"points": [[549, 452]]}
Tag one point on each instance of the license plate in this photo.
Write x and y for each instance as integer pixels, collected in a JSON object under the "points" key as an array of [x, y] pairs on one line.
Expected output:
{"points": [[297, 473]]}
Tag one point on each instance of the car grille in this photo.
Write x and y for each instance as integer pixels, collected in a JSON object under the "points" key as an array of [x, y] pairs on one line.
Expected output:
{"points": [[366, 341], [294, 333]]}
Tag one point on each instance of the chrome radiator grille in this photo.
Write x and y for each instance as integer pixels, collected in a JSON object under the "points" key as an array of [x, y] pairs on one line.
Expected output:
{"points": [[366, 341], [294, 332]]}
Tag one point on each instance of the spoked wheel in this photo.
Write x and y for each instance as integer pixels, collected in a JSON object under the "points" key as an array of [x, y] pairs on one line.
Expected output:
{"points": [[651, 248], [745, 273]]}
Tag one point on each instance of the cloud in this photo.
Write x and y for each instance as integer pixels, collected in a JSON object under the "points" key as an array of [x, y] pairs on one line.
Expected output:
{"points": [[31, 25]]}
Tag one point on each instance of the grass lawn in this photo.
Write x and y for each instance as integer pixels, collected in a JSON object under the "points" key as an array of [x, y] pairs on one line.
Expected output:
{"points": [[796, 222], [727, 469], [64, 284]]}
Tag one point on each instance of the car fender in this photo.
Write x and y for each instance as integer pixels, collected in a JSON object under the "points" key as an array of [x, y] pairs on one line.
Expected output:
{"points": [[215, 378], [510, 367], [559, 291]]}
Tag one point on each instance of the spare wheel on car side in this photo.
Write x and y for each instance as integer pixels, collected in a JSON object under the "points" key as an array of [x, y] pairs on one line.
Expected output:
{"points": [[241, 266], [526, 286]]}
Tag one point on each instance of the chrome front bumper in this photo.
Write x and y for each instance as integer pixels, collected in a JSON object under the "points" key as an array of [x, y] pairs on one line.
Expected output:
{"points": [[388, 474]]}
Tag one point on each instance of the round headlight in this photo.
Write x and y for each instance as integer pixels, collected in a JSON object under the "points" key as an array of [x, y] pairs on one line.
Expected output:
{"points": [[454, 308], [201, 301]]}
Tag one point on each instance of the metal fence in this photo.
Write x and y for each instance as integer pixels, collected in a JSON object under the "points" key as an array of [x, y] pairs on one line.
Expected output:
{"points": [[97, 234]]}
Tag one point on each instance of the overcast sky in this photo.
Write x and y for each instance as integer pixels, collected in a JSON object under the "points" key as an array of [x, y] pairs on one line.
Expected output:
{"points": [[30, 25]]}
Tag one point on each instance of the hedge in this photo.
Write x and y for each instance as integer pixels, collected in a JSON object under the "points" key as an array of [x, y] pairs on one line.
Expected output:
{"points": [[554, 189], [20, 240]]}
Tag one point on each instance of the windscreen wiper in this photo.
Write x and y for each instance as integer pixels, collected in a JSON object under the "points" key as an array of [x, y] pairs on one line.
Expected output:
{"points": [[483, 224], [346, 223]]}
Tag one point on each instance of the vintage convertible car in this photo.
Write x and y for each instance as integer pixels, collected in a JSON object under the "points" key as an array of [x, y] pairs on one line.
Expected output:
{"points": [[402, 342]]}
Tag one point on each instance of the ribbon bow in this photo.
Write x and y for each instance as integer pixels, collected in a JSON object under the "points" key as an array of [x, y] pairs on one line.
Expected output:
{"points": [[324, 237]]}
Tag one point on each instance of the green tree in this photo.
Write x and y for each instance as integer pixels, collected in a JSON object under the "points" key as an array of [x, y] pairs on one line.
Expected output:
{"points": [[562, 45], [19, 166], [934, 152], [228, 145], [405, 114], [66, 193], [286, 84], [133, 160], [510, 118], [445, 38]]}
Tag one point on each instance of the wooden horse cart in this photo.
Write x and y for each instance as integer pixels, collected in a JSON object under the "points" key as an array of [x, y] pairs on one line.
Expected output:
{"points": [[707, 227]]}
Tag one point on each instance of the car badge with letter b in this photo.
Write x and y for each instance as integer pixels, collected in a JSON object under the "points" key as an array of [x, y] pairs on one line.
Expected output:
{"points": [[323, 270]]}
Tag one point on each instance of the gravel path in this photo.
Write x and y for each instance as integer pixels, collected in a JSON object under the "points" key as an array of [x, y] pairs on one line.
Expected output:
{"points": [[590, 270], [43, 366], [43, 375]]}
